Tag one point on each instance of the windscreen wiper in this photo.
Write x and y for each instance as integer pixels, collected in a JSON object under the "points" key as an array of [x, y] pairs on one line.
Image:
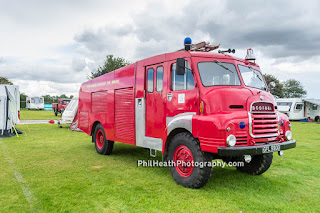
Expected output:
{"points": [[221, 65], [255, 72]]}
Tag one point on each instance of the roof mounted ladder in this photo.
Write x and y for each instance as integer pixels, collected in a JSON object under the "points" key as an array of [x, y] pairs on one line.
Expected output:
{"points": [[203, 47]]}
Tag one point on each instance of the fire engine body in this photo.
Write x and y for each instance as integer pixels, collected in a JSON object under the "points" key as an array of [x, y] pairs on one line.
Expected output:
{"points": [[142, 104]]}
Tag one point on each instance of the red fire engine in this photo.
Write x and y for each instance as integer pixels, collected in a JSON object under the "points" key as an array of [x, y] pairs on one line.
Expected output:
{"points": [[193, 106]]}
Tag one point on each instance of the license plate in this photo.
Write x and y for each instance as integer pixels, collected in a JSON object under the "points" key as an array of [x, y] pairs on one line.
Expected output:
{"points": [[271, 148]]}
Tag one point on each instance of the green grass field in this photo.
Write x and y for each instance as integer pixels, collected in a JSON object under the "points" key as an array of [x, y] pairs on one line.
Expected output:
{"points": [[58, 170], [38, 115]]}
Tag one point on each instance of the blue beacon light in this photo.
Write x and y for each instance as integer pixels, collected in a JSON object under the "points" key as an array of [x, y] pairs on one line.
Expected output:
{"points": [[242, 125], [187, 43]]}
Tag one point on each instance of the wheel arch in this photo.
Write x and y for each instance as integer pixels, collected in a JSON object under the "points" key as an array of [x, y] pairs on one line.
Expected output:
{"points": [[169, 138], [175, 125], [93, 127]]}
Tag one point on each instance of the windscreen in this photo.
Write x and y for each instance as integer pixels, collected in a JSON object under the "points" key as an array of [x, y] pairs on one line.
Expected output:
{"points": [[252, 77], [213, 74]]}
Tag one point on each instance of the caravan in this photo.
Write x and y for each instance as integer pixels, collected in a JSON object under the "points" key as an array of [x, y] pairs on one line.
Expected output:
{"points": [[35, 103], [313, 109], [294, 108], [9, 109]]}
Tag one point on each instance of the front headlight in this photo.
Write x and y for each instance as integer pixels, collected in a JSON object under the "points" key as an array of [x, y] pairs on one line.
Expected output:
{"points": [[231, 140], [288, 135]]}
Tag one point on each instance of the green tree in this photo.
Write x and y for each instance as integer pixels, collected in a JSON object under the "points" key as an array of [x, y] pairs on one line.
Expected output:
{"points": [[47, 99], [23, 97], [4, 80], [110, 64], [293, 89], [278, 89]]}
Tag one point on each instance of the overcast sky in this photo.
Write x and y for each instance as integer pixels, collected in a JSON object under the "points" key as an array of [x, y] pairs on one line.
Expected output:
{"points": [[49, 47]]}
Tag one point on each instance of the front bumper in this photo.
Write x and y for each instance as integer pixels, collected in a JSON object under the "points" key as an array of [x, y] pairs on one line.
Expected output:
{"points": [[255, 150]]}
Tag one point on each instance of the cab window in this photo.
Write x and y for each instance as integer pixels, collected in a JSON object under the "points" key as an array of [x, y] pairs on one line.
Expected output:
{"points": [[150, 80], [159, 79], [182, 82]]}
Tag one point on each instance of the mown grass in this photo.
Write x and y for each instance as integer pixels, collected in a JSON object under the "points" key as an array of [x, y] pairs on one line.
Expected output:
{"points": [[38, 115], [65, 174]]}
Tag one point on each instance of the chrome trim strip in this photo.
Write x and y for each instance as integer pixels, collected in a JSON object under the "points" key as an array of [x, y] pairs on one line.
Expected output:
{"points": [[261, 136], [140, 124]]}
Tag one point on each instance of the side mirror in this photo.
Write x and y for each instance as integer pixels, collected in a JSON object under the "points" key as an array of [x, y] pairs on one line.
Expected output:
{"points": [[271, 85], [180, 70]]}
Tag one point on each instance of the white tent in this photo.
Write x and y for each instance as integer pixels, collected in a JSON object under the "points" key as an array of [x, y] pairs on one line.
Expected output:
{"points": [[9, 109]]}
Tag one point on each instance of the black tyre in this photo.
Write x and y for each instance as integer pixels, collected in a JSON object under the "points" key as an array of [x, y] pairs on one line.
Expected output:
{"points": [[317, 118], [103, 146], [258, 164], [185, 148]]}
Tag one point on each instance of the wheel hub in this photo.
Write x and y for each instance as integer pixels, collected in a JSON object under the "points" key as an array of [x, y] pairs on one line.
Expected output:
{"points": [[99, 139], [183, 159]]}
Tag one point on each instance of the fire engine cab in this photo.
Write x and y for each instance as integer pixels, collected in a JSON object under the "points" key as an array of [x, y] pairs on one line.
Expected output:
{"points": [[193, 106]]}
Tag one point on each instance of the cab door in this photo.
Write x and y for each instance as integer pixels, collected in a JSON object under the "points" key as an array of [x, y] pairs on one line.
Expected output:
{"points": [[155, 101], [182, 93]]}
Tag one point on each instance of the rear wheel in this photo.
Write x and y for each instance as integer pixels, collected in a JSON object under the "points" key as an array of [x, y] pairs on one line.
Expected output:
{"points": [[317, 118], [103, 146], [185, 152], [258, 164]]}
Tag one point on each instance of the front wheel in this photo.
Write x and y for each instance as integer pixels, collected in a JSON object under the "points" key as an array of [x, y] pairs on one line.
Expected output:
{"points": [[258, 164], [103, 146], [192, 168]]}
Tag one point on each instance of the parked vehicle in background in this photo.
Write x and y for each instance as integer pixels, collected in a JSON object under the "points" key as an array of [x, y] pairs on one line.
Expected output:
{"points": [[60, 106], [294, 108], [313, 109], [35, 103], [9, 109], [193, 106]]}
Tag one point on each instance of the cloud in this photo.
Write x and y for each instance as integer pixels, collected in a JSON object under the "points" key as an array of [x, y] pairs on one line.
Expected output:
{"points": [[284, 34], [281, 30], [39, 88], [58, 71], [78, 64]]}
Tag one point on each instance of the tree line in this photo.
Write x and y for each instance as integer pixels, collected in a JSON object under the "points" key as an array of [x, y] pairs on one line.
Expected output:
{"points": [[48, 99], [288, 89]]}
